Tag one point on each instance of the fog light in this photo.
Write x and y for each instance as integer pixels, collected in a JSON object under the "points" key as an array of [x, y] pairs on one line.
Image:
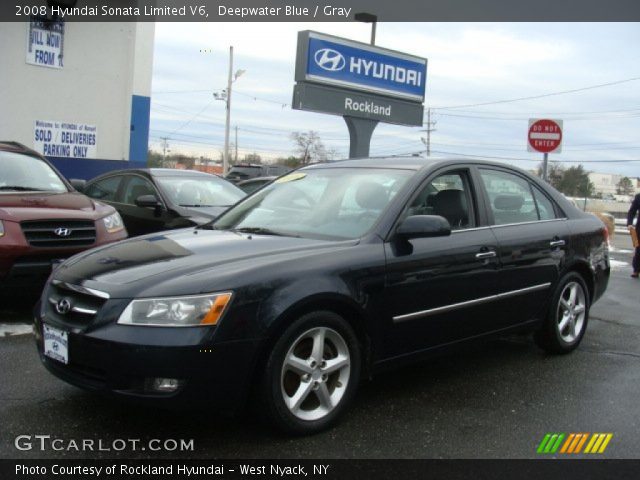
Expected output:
{"points": [[165, 384]]}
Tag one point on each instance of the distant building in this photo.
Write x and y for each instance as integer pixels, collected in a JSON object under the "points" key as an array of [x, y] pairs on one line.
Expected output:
{"points": [[606, 184]]}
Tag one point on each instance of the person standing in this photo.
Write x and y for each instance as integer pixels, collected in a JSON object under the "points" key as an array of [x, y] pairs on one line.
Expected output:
{"points": [[633, 212]]}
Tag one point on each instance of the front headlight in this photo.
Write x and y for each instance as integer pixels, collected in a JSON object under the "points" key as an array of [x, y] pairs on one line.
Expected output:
{"points": [[1, 229], [113, 223], [193, 310]]}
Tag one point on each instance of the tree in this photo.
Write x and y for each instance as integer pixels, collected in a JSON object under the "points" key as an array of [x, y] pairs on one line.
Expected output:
{"points": [[575, 183], [291, 162], [154, 159], [187, 161], [625, 187], [555, 172], [252, 158], [309, 146]]}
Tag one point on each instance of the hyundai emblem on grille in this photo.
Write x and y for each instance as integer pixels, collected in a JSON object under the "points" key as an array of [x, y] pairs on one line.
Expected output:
{"points": [[62, 232], [63, 306]]}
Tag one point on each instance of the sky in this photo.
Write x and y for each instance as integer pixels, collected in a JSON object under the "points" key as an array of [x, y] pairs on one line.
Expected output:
{"points": [[475, 71]]}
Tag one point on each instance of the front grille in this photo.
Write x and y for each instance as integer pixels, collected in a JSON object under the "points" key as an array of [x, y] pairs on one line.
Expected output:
{"points": [[82, 305], [70, 233]]}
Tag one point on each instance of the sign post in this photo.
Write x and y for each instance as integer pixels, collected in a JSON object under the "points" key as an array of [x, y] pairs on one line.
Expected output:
{"points": [[544, 136], [364, 84]]}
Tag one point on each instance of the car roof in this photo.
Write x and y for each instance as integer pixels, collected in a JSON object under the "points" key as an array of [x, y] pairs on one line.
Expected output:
{"points": [[156, 172], [407, 163], [15, 147], [257, 179], [174, 172], [246, 165]]}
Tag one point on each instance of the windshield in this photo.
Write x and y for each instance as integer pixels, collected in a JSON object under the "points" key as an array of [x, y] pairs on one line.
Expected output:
{"points": [[199, 191], [23, 173], [331, 203]]}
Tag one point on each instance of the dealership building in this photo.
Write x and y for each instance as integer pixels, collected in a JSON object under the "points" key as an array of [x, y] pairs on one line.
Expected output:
{"points": [[78, 92]]}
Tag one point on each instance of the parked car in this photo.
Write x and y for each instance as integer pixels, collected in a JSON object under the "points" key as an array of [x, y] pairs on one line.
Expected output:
{"points": [[155, 199], [246, 171], [326, 276], [43, 220], [250, 186]]}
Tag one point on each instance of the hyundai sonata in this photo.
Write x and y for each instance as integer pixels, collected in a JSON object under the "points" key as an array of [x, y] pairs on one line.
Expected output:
{"points": [[324, 277]]}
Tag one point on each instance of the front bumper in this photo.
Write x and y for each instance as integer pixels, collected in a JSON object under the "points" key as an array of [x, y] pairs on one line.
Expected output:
{"points": [[123, 360]]}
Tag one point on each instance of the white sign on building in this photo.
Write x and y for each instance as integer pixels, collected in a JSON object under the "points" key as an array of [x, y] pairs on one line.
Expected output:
{"points": [[45, 41], [63, 139]]}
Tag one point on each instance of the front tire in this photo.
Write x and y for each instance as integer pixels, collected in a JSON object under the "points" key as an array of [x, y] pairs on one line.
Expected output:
{"points": [[568, 315], [311, 374]]}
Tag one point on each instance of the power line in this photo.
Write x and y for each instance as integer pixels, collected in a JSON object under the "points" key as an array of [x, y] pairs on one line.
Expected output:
{"points": [[539, 114], [532, 97], [192, 118], [566, 117], [534, 160]]}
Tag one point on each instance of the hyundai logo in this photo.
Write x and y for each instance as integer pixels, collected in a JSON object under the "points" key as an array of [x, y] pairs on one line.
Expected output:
{"points": [[329, 59], [63, 306], [62, 232]]}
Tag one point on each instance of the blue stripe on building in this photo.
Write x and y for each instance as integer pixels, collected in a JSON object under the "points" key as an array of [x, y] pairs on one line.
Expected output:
{"points": [[139, 140]]}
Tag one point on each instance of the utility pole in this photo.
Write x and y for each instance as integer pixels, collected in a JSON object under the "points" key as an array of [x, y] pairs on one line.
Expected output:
{"points": [[165, 148], [236, 157], [225, 158], [430, 125], [225, 96]]}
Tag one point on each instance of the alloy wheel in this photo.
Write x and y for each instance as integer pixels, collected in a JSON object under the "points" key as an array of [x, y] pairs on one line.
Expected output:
{"points": [[315, 373], [572, 307]]}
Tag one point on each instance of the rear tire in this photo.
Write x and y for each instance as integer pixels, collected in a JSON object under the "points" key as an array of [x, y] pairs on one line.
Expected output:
{"points": [[311, 374], [568, 316]]}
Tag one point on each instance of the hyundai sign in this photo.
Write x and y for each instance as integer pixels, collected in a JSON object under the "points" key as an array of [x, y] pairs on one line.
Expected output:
{"points": [[357, 66]]}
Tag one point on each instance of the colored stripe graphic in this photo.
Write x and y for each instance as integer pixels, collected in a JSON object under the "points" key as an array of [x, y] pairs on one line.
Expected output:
{"points": [[550, 443], [574, 443], [598, 443]]}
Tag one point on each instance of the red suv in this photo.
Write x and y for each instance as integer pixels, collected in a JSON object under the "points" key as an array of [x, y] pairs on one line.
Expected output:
{"points": [[43, 219]]}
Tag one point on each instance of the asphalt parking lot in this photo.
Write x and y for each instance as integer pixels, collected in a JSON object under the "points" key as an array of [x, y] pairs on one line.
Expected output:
{"points": [[494, 400]]}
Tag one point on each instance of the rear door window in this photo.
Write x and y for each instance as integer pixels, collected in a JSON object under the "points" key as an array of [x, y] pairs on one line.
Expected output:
{"points": [[511, 198], [137, 187], [106, 189]]}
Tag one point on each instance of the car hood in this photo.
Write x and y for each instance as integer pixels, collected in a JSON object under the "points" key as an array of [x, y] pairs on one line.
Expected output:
{"points": [[188, 259], [201, 215], [43, 205]]}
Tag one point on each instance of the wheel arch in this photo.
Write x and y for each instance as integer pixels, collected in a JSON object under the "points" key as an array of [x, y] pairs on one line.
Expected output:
{"points": [[339, 304], [583, 269]]}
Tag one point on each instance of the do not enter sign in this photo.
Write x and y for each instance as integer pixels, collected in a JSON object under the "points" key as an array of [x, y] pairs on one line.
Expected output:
{"points": [[545, 135]]}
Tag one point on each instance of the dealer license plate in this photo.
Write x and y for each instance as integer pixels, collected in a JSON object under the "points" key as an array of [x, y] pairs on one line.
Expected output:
{"points": [[56, 344]]}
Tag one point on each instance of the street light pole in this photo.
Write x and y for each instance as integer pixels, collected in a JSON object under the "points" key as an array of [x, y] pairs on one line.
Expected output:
{"points": [[225, 96], [368, 18], [225, 156]]}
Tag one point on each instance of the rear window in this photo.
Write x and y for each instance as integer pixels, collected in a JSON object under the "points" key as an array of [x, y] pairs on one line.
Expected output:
{"points": [[244, 172]]}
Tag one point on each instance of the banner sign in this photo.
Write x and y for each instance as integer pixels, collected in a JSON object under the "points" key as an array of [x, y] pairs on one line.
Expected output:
{"points": [[45, 42], [67, 140], [358, 66]]}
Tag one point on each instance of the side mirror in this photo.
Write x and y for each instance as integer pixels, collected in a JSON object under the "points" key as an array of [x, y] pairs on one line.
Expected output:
{"points": [[147, 201], [78, 184], [422, 226]]}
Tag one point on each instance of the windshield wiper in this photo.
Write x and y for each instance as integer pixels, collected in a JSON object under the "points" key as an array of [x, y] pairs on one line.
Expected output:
{"points": [[262, 231], [20, 188], [195, 206]]}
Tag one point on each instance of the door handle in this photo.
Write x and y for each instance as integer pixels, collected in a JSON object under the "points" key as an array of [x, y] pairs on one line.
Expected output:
{"points": [[483, 255], [557, 243]]}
